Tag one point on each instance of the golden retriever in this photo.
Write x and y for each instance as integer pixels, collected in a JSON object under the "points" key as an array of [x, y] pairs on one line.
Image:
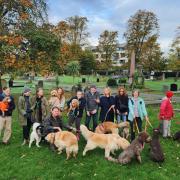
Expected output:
{"points": [[109, 142], [110, 127], [64, 140]]}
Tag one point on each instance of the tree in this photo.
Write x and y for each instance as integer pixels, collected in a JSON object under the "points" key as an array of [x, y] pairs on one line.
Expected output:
{"points": [[107, 45], [174, 55], [151, 57], [72, 68], [87, 62], [140, 28]]}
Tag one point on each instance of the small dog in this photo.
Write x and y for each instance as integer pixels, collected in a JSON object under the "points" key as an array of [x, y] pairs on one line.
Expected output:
{"points": [[54, 100], [109, 142], [110, 127], [177, 136], [125, 132], [134, 149], [4, 104], [64, 140], [36, 134], [156, 152]]}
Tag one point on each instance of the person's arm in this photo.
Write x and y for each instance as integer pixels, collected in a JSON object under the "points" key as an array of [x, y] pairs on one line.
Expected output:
{"points": [[131, 107], [21, 108], [69, 102], [63, 125], [12, 105], [62, 102], [143, 108], [47, 125], [163, 109]]}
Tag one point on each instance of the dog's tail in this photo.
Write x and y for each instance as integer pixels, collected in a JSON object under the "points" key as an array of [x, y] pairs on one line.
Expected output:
{"points": [[112, 159], [123, 124], [85, 132]]}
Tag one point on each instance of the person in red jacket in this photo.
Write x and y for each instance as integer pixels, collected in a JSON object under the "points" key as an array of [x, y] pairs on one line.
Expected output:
{"points": [[166, 114]]}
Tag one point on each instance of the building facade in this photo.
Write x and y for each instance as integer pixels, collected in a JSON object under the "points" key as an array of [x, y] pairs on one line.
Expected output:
{"points": [[119, 57]]}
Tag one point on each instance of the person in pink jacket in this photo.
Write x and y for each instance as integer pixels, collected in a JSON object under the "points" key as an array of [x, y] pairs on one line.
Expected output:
{"points": [[166, 114]]}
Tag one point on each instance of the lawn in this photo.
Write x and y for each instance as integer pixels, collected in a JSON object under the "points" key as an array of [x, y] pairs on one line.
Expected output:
{"points": [[17, 162]]}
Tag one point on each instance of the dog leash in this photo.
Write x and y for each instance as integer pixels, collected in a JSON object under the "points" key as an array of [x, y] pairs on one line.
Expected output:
{"points": [[108, 112]]}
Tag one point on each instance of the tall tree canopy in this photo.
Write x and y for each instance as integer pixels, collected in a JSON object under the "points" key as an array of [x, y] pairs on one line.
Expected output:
{"points": [[107, 45], [141, 27]]}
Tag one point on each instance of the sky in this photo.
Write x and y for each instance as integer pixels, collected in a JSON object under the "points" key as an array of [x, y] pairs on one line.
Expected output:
{"points": [[114, 14]]}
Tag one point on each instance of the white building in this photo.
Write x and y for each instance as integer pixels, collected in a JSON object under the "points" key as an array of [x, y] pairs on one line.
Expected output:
{"points": [[118, 58]]}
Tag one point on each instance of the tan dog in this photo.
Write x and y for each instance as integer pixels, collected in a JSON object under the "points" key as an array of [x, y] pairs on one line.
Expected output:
{"points": [[64, 140], [110, 127], [109, 142]]}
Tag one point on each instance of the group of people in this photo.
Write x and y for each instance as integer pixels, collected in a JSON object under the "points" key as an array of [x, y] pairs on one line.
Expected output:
{"points": [[116, 108]]}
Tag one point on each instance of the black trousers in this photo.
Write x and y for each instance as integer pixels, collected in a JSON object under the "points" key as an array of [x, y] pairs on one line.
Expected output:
{"points": [[76, 120], [27, 128], [88, 119], [133, 127]]}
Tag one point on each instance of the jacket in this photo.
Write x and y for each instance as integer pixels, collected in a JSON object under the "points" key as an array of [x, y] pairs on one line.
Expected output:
{"points": [[22, 109], [50, 122], [121, 103], [141, 109], [91, 104], [44, 108], [82, 104], [11, 105], [105, 104], [166, 109]]}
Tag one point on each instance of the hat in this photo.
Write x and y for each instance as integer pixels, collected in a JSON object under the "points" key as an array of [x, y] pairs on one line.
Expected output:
{"points": [[93, 86], [169, 94], [27, 90]]}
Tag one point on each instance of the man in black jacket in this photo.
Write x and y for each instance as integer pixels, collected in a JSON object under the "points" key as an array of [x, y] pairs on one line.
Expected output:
{"points": [[54, 123], [6, 117]]}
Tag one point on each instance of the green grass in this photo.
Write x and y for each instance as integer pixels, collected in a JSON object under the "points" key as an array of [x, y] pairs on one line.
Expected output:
{"points": [[17, 162]]}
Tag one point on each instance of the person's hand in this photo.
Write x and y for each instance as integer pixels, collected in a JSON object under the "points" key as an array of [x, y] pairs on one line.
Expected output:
{"points": [[112, 106], [125, 113], [88, 113], [94, 111], [74, 129], [117, 111], [97, 100], [147, 119], [57, 128]]}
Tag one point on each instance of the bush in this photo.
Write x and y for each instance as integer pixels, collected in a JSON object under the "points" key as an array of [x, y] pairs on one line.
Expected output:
{"points": [[122, 81], [112, 82]]}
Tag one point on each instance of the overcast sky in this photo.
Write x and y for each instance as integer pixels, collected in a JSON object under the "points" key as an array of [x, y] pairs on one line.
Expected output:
{"points": [[113, 15]]}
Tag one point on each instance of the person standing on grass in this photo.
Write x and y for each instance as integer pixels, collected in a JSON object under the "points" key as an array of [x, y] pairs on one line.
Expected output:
{"points": [[77, 114], [25, 108], [107, 104], [137, 112], [41, 107], [54, 123], [92, 101], [6, 117], [61, 97], [121, 104], [165, 115]]}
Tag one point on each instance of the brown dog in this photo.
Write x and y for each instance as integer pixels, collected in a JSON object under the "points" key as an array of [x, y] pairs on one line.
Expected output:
{"points": [[110, 127], [109, 142], [134, 150], [64, 140]]}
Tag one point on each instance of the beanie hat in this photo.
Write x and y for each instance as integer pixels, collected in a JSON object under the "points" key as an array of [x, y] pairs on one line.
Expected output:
{"points": [[26, 90], [169, 94]]}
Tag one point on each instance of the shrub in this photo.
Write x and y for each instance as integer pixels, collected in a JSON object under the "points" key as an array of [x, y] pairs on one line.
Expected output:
{"points": [[122, 81], [112, 82]]}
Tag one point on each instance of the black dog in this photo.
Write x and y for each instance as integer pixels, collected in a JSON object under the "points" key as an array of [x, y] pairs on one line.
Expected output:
{"points": [[177, 136], [156, 152]]}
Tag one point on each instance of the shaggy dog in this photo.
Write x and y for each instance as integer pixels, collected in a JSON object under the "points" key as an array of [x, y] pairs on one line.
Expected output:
{"points": [[36, 134], [110, 127], [177, 136], [109, 142], [134, 150], [64, 140]]}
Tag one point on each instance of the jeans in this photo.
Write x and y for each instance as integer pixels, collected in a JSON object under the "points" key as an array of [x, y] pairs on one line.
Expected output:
{"points": [[133, 127], [121, 116], [166, 128], [88, 119]]}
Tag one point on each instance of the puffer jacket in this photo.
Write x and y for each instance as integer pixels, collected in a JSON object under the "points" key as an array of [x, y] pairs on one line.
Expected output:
{"points": [[166, 109]]}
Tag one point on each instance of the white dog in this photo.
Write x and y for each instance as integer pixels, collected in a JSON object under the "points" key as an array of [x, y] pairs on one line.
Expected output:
{"points": [[36, 134]]}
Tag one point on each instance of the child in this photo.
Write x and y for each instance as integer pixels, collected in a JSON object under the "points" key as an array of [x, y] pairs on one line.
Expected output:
{"points": [[54, 100], [73, 115], [166, 114], [4, 105]]}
